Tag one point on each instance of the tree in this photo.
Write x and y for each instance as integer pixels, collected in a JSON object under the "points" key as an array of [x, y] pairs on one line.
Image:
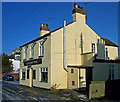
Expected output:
{"points": [[6, 64]]}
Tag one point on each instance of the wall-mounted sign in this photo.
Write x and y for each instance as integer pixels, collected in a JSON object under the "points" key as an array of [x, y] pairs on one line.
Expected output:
{"points": [[33, 62]]}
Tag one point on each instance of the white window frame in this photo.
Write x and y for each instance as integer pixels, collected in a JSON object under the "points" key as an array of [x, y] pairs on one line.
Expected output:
{"points": [[41, 70], [32, 51], [25, 52], [41, 49], [95, 47], [112, 70]]}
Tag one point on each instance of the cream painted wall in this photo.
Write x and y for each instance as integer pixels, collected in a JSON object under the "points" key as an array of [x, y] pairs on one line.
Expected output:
{"points": [[87, 59], [43, 32], [58, 74], [73, 77], [88, 35], [112, 52], [45, 63]]}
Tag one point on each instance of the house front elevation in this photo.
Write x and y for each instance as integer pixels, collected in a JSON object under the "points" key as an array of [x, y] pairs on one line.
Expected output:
{"points": [[68, 57]]}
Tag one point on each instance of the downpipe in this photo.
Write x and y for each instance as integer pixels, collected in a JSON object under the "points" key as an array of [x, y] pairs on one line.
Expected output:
{"points": [[65, 46]]}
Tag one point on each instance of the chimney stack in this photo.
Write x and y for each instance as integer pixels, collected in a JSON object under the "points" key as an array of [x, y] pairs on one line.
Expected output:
{"points": [[78, 14], [44, 29]]}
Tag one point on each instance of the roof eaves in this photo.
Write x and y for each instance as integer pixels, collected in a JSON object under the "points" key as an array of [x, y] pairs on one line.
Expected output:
{"points": [[111, 43]]}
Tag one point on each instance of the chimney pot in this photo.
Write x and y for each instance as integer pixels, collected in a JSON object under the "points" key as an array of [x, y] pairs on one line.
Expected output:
{"points": [[78, 6], [81, 7], [47, 25], [41, 24], [75, 5]]}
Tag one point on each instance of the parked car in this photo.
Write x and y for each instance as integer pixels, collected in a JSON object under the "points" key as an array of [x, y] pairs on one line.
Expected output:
{"points": [[8, 78]]}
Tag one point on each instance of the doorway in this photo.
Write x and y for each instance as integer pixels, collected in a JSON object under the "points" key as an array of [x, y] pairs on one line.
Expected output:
{"points": [[88, 78]]}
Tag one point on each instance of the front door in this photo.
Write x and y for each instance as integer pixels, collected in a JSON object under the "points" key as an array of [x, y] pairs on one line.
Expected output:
{"points": [[88, 77]]}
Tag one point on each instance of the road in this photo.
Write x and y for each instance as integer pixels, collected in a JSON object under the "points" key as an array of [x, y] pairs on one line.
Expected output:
{"points": [[14, 91], [11, 90]]}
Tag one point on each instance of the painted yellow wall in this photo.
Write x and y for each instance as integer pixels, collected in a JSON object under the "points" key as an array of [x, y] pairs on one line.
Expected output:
{"points": [[58, 74], [97, 89], [45, 63], [73, 77], [112, 52], [87, 59], [43, 32]]}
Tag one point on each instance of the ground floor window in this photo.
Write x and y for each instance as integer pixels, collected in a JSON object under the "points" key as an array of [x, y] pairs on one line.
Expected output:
{"points": [[34, 74], [28, 74], [111, 72], [44, 74], [23, 74]]}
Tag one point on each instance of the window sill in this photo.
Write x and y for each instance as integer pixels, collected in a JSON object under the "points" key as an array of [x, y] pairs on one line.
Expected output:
{"points": [[43, 82], [40, 56], [30, 58], [22, 79], [24, 59]]}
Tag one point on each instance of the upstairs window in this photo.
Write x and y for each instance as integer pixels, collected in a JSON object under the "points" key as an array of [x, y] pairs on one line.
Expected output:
{"points": [[25, 52], [106, 52], [98, 41], [41, 48], [94, 49], [32, 51]]}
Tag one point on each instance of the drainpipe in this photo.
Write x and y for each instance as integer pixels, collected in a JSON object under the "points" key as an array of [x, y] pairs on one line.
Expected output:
{"points": [[65, 46]]}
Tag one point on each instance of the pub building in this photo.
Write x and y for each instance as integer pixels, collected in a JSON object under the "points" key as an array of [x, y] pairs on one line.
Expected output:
{"points": [[69, 57]]}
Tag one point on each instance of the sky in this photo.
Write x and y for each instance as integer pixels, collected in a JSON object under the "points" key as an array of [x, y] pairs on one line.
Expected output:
{"points": [[21, 20]]}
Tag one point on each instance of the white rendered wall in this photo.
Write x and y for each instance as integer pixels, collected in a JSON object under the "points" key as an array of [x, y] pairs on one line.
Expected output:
{"points": [[16, 64]]}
